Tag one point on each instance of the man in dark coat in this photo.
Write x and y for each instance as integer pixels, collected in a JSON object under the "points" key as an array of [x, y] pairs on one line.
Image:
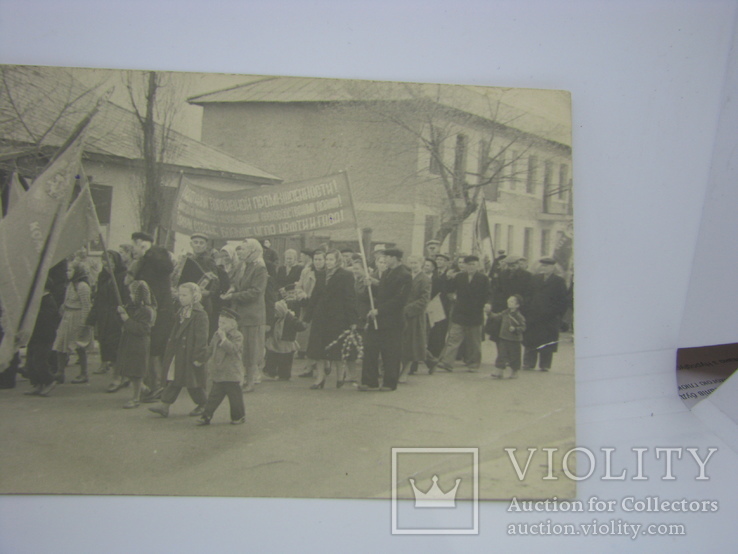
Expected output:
{"points": [[390, 299], [206, 277], [519, 280], [543, 311], [472, 290], [154, 266]]}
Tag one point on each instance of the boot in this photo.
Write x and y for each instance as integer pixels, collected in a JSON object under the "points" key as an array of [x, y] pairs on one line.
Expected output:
{"points": [[61, 364], [161, 409], [82, 377]]}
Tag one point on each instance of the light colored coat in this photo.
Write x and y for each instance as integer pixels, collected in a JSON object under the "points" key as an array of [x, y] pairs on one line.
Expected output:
{"points": [[225, 364], [415, 332]]}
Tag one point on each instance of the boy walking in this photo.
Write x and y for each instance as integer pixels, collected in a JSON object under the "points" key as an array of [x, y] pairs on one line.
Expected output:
{"points": [[226, 369], [512, 327]]}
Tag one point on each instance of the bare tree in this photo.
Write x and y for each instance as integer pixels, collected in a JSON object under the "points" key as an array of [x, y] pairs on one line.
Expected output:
{"points": [[38, 108], [436, 125], [154, 100]]}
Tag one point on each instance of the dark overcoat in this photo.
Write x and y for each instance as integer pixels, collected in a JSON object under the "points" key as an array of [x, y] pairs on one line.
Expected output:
{"points": [[543, 310], [135, 341], [156, 267], [414, 335], [391, 297], [104, 315], [333, 310], [188, 344], [290, 277], [471, 296]]}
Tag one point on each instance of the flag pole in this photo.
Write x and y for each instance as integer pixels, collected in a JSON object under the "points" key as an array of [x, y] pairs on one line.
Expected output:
{"points": [[361, 245], [111, 267]]}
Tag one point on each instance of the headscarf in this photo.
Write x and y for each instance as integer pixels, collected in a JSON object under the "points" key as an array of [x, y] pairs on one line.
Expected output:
{"points": [[231, 268], [141, 294], [81, 273], [254, 253], [280, 313], [230, 249]]}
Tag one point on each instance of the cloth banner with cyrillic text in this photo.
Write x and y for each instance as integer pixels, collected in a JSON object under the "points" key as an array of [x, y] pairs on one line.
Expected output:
{"points": [[287, 209]]}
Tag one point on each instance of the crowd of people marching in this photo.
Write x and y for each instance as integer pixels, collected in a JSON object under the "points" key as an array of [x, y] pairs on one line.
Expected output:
{"points": [[223, 320]]}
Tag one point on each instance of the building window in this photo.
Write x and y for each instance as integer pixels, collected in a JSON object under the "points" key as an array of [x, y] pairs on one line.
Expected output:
{"points": [[563, 181], [547, 182], [545, 242], [102, 198], [530, 182], [436, 153], [527, 238], [510, 239], [431, 226], [493, 174], [498, 237]]}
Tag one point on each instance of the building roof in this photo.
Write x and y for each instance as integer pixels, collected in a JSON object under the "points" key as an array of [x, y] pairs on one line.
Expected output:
{"points": [[47, 107], [544, 113]]}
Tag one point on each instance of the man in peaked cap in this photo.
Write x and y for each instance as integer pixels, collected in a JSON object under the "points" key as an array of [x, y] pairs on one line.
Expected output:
{"points": [[472, 290], [389, 301], [432, 247], [154, 266], [543, 310], [206, 276]]}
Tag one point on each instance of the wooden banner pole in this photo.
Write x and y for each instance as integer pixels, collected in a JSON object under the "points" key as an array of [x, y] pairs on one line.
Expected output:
{"points": [[361, 245]]}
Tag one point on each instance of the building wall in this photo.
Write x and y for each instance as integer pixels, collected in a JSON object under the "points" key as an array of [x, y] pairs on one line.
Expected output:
{"points": [[301, 141], [389, 167]]}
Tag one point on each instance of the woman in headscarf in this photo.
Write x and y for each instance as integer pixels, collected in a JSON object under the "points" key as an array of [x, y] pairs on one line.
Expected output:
{"points": [[103, 315], [228, 260], [73, 335], [333, 311], [246, 297], [186, 352]]}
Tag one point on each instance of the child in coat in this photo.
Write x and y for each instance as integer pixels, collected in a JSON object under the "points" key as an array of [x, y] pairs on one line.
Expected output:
{"points": [[138, 317], [281, 343], [226, 369], [186, 353], [512, 327]]}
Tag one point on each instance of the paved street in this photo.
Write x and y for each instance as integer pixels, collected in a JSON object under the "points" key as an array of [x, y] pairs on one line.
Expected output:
{"points": [[296, 442]]}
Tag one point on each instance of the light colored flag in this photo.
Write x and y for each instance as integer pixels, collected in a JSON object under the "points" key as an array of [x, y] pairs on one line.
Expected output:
{"points": [[28, 238], [483, 236], [79, 227], [435, 310]]}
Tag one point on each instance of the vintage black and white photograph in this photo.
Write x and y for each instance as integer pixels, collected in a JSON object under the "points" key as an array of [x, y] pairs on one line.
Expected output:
{"points": [[258, 286]]}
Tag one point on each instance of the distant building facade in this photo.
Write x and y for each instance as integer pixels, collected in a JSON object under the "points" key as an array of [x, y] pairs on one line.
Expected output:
{"points": [[301, 128]]}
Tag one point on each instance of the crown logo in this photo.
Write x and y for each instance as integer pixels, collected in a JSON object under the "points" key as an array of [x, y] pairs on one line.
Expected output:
{"points": [[435, 497]]}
